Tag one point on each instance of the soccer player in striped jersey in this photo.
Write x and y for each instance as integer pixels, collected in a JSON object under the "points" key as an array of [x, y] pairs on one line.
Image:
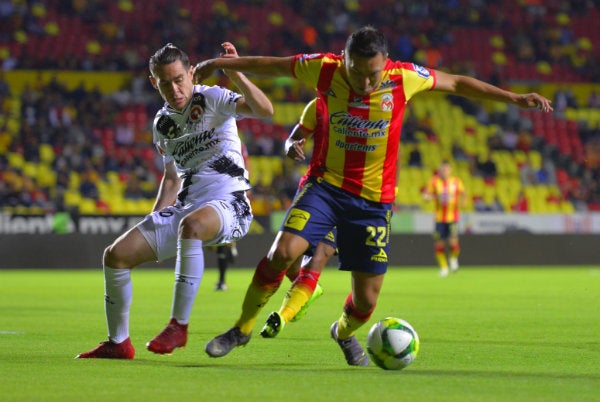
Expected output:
{"points": [[201, 199], [362, 94], [448, 194]]}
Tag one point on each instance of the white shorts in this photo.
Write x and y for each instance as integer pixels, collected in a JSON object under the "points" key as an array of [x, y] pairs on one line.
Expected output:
{"points": [[161, 228]]}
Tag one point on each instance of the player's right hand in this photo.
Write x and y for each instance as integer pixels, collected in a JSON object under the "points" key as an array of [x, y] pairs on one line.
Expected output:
{"points": [[296, 150]]}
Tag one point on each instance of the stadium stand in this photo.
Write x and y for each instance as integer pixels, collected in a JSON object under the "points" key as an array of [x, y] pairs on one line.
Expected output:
{"points": [[77, 108]]}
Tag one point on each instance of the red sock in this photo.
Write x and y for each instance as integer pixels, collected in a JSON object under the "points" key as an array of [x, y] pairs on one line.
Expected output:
{"points": [[308, 278]]}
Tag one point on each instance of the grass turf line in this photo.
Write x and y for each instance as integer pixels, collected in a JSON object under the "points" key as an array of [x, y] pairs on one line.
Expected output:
{"points": [[487, 334]]}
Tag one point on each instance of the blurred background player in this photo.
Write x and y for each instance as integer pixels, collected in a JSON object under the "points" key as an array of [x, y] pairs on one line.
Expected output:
{"points": [[448, 194], [226, 254], [201, 199]]}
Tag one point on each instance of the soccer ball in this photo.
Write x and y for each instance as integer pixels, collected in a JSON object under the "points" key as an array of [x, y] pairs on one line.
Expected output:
{"points": [[392, 343]]}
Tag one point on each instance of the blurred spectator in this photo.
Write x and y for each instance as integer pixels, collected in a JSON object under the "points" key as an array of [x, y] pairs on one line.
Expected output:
{"points": [[593, 100], [485, 204], [510, 139], [521, 205], [414, 157], [459, 154], [124, 134], [523, 141], [527, 174], [563, 99], [80, 124], [134, 190], [486, 168], [87, 186], [4, 87], [495, 141], [404, 46], [425, 124]]}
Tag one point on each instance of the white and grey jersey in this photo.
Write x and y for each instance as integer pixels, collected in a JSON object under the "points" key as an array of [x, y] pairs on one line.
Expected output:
{"points": [[203, 142]]}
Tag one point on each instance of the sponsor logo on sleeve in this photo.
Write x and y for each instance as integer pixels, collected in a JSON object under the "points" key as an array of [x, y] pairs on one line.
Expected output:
{"points": [[167, 127], [421, 71]]}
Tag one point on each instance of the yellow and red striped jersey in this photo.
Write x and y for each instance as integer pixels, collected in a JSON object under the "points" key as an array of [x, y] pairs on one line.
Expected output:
{"points": [[446, 195], [308, 119], [356, 142]]}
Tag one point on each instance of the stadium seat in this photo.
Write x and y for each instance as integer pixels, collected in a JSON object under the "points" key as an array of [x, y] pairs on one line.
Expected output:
{"points": [[87, 206], [46, 176], [46, 153], [15, 160], [72, 198]]}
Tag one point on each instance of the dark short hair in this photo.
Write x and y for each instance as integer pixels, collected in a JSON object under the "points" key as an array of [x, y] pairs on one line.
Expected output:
{"points": [[168, 54], [366, 42]]}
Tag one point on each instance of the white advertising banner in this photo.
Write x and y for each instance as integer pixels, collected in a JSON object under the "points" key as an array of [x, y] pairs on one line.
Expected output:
{"points": [[495, 223]]}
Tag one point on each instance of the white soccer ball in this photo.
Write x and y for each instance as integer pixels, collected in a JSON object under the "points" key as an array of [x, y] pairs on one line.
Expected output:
{"points": [[392, 343]]}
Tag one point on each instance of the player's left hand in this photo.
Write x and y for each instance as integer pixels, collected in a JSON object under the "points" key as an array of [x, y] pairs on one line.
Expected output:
{"points": [[204, 69], [534, 100], [230, 53]]}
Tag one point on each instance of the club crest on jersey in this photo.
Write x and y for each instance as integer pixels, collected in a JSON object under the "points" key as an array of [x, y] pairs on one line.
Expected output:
{"points": [[196, 112], [197, 108], [387, 102], [421, 71], [167, 127]]}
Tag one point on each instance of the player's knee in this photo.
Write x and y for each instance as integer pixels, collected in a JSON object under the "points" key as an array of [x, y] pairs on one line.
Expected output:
{"points": [[324, 251], [112, 258], [282, 257], [286, 250], [189, 228], [317, 262]]}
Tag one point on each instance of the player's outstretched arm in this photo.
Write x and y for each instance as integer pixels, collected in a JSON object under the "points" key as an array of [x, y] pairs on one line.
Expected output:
{"points": [[473, 88], [258, 65], [254, 103]]}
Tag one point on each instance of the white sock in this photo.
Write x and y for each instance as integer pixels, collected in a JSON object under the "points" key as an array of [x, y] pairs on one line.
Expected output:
{"points": [[189, 268], [117, 301]]}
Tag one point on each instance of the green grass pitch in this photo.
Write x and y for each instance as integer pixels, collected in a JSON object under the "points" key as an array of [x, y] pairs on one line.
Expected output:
{"points": [[487, 334]]}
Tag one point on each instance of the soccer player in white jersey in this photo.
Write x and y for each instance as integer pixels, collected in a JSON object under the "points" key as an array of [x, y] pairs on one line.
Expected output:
{"points": [[201, 200]]}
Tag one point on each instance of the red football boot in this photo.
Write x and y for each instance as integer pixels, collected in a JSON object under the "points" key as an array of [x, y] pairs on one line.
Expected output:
{"points": [[110, 350], [173, 336]]}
